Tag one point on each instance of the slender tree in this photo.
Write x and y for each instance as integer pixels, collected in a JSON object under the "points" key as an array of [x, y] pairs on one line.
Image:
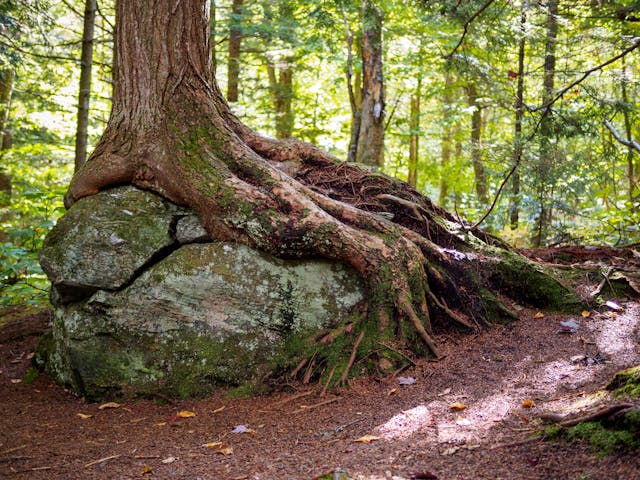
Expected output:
{"points": [[370, 148], [235, 42], [414, 134], [84, 97]]}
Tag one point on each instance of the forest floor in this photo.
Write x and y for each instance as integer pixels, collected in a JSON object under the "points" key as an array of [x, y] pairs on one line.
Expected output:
{"points": [[505, 376]]}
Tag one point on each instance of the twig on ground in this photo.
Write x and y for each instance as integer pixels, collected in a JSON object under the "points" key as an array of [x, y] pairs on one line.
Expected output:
{"points": [[326, 387], [101, 460], [305, 408], [291, 399]]}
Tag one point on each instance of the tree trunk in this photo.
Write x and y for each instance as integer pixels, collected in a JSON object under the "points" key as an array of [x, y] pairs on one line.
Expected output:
{"points": [[235, 41], [631, 179], [213, 27], [476, 148], [447, 138], [84, 97], [281, 85], [514, 207], [6, 91], [414, 135], [354, 89], [370, 150], [546, 160], [171, 132]]}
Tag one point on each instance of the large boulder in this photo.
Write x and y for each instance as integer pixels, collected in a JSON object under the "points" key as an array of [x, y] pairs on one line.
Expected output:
{"points": [[170, 313]]}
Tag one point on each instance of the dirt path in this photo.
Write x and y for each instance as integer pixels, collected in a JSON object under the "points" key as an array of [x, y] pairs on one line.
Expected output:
{"points": [[299, 435]]}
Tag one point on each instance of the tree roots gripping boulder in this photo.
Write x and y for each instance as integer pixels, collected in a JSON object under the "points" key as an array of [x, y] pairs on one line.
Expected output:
{"points": [[171, 132]]}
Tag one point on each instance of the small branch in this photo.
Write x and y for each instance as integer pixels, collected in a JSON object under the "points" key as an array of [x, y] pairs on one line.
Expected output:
{"points": [[291, 399], [631, 143], [597, 415], [352, 359], [467, 24], [389, 347], [13, 459], [393, 110], [100, 460], [304, 408], [453, 315]]}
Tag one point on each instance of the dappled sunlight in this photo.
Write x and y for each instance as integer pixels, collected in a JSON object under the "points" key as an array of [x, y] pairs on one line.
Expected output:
{"points": [[553, 383]]}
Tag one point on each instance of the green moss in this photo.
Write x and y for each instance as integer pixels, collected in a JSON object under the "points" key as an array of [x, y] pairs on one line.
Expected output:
{"points": [[604, 441], [247, 389], [522, 279], [626, 382]]}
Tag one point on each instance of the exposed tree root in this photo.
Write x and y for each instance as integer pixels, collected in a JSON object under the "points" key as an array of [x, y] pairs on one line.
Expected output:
{"points": [[292, 200]]}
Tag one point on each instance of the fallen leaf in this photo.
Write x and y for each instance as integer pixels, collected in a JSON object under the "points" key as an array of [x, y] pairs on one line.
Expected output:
{"points": [[569, 326], [393, 391], [226, 451], [528, 403], [450, 450], [586, 313], [16, 380], [160, 424], [109, 405], [613, 305], [446, 391], [406, 380], [539, 315], [185, 414], [212, 445], [612, 314], [242, 429], [367, 439], [146, 471], [169, 460], [84, 416], [458, 406], [218, 410]]}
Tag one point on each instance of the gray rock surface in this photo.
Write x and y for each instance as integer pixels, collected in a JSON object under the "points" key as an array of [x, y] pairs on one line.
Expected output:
{"points": [[149, 315], [104, 240]]}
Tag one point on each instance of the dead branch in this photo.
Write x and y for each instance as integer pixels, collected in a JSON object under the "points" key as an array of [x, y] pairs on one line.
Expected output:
{"points": [[305, 408], [466, 26], [101, 460], [326, 386], [603, 412], [631, 143]]}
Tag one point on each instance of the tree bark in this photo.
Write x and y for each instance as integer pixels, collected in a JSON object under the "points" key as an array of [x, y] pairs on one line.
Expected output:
{"points": [[514, 207], [447, 138], [171, 132], [84, 97], [414, 135], [235, 41], [370, 150], [6, 91], [476, 147], [546, 160]]}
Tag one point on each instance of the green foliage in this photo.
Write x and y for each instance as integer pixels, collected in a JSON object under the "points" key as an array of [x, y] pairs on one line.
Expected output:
{"points": [[39, 176]]}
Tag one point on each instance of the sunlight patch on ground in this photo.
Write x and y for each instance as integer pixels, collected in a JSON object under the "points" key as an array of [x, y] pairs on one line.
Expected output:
{"points": [[405, 423]]}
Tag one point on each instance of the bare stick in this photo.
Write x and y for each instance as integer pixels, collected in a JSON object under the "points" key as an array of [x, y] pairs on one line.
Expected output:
{"points": [[105, 459], [597, 415], [13, 459], [14, 449], [352, 358], [631, 143], [292, 398], [304, 408], [389, 347]]}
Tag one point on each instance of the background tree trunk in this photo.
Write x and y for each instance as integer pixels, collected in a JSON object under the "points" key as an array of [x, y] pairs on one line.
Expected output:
{"points": [[414, 135], [370, 149], [6, 90], [514, 207], [547, 150], [447, 138], [84, 97], [476, 147], [235, 41]]}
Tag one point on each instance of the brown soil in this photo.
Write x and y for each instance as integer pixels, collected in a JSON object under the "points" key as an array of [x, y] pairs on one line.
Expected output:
{"points": [[298, 434]]}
